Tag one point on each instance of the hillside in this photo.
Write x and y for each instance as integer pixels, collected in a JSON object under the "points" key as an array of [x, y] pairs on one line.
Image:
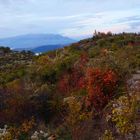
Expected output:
{"points": [[13, 63], [30, 41], [83, 91], [46, 48]]}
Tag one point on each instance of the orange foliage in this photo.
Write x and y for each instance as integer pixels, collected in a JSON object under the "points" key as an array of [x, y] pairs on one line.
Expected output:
{"points": [[27, 125], [101, 87], [72, 81], [75, 79]]}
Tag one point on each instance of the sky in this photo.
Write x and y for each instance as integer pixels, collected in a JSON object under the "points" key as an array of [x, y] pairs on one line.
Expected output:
{"points": [[72, 18]]}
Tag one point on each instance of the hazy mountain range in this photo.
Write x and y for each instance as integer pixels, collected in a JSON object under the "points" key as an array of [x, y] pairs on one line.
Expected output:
{"points": [[36, 42], [46, 48]]}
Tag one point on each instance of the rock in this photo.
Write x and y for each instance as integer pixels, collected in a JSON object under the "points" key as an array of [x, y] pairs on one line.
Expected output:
{"points": [[52, 137]]}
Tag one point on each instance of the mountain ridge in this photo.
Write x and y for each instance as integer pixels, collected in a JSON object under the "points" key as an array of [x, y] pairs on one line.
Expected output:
{"points": [[35, 40]]}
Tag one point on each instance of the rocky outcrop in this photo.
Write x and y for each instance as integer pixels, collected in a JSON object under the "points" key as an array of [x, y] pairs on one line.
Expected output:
{"points": [[134, 85]]}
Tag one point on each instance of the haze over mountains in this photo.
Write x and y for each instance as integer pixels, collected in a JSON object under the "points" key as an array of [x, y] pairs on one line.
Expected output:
{"points": [[46, 48], [36, 42]]}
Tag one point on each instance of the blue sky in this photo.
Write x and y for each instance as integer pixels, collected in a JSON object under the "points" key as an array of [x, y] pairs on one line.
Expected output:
{"points": [[72, 18]]}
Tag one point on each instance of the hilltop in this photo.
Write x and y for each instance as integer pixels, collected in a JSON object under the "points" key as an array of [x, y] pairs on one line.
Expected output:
{"points": [[79, 92]]}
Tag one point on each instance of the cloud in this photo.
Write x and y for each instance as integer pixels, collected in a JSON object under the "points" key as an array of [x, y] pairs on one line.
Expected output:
{"points": [[68, 17], [116, 21], [135, 25]]}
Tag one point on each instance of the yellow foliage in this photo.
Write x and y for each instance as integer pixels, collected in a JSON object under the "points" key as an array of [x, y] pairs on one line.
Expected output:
{"points": [[76, 115], [124, 114], [107, 135], [8, 136]]}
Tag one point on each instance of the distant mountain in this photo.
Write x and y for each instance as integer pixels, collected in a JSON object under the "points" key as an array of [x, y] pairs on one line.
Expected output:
{"points": [[46, 48], [33, 40]]}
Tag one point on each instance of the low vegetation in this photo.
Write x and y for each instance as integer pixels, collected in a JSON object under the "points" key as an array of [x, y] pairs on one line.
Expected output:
{"points": [[79, 92]]}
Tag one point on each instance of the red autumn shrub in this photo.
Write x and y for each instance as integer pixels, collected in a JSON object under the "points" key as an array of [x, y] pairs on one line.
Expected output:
{"points": [[63, 84], [75, 79], [71, 82], [101, 86]]}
